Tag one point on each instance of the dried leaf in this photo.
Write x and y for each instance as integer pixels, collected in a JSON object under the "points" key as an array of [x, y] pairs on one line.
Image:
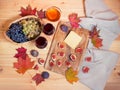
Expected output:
{"points": [[22, 65], [41, 14], [95, 38], [94, 33], [74, 20], [21, 53], [97, 42], [27, 11], [21, 50], [38, 78], [71, 75]]}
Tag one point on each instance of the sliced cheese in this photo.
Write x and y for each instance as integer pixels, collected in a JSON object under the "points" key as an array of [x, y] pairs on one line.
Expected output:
{"points": [[72, 39]]}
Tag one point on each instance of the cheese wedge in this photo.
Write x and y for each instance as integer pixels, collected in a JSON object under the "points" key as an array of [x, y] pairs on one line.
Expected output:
{"points": [[73, 39]]}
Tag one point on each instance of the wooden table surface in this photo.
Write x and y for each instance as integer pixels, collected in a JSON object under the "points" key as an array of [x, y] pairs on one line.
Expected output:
{"points": [[10, 79]]}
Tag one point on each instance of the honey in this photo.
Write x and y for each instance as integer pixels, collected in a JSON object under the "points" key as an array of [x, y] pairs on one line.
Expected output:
{"points": [[53, 13]]}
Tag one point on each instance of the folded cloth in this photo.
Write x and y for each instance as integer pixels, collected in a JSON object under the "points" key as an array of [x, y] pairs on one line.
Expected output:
{"points": [[100, 66], [98, 14], [98, 9], [103, 60], [109, 30]]}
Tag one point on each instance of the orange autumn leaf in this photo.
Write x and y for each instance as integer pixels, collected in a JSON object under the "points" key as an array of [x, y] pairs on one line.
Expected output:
{"points": [[22, 65], [95, 38], [97, 42], [71, 75]]}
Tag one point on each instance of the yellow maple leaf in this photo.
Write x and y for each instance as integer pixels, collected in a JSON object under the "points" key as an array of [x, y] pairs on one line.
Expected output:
{"points": [[70, 75]]}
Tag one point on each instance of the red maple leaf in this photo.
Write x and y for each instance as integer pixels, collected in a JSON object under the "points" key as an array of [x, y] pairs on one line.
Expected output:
{"points": [[38, 78], [21, 50], [74, 20], [41, 14], [94, 32], [22, 65], [21, 53], [27, 11]]}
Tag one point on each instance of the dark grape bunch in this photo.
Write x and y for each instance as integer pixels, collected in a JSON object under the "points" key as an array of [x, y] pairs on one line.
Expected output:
{"points": [[16, 34]]}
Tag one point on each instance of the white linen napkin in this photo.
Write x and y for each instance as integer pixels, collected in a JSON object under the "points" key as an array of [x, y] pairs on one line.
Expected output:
{"points": [[103, 60], [101, 64], [98, 9]]}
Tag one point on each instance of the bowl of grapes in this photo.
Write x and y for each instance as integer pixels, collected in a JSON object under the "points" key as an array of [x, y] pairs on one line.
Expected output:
{"points": [[25, 29]]}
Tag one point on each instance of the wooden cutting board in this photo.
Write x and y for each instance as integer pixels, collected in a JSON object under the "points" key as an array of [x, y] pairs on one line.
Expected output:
{"points": [[61, 63]]}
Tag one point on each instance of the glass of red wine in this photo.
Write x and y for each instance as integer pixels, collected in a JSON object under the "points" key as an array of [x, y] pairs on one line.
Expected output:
{"points": [[48, 29], [41, 42]]}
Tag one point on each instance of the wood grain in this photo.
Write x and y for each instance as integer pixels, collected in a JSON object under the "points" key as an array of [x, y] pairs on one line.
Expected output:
{"points": [[114, 80], [9, 78]]}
